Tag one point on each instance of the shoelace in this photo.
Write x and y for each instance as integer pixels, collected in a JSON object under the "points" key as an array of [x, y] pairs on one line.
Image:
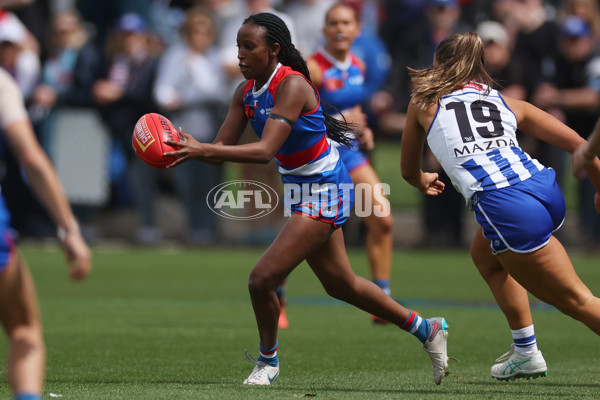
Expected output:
{"points": [[505, 356], [252, 359]]}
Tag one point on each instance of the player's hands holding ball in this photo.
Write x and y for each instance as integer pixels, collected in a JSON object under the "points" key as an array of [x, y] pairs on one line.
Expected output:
{"points": [[189, 149]]}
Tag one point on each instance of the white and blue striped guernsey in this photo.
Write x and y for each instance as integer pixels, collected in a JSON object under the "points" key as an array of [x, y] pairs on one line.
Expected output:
{"points": [[473, 136]]}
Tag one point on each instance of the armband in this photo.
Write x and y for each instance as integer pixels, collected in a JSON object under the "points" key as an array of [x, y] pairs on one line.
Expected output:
{"points": [[281, 118]]}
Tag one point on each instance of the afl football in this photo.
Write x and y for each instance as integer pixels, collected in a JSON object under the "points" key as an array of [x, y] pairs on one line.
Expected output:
{"points": [[148, 140]]}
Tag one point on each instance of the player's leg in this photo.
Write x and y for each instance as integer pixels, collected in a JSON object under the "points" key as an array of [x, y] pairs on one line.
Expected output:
{"points": [[332, 266], [549, 275], [511, 297], [20, 318], [513, 300], [298, 238], [379, 222]]}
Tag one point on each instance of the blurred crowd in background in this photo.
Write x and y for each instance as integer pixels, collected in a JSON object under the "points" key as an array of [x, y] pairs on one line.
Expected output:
{"points": [[89, 69]]}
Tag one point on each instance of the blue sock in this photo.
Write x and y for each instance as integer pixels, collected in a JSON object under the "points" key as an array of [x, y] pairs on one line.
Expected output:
{"points": [[269, 356], [418, 326], [384, 284], [27, 396]]}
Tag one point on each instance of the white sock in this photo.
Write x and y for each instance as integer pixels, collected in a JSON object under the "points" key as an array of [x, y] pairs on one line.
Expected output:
{"points": [[524, 339]]}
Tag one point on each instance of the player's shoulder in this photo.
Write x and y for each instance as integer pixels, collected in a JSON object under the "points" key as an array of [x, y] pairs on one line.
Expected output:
{"points": [[292, 82]]}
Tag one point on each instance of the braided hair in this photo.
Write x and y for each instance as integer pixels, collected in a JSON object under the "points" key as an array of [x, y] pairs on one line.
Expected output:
{"points": [[278, 32]]}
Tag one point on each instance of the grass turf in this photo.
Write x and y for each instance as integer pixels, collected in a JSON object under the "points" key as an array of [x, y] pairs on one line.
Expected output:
{"points": [[173, 324]]}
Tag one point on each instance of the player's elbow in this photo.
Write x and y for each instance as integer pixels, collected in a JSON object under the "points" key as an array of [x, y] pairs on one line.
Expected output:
{"points": [[264, 156], [408, 175]]}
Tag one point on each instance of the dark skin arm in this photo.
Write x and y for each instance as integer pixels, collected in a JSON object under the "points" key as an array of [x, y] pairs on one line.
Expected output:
{"points": [[294, 95]]}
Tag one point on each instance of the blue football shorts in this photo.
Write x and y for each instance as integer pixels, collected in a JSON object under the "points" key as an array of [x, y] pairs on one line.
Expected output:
{"points": [[326, 203], [7, 246], [352, 157], [521, 218]]}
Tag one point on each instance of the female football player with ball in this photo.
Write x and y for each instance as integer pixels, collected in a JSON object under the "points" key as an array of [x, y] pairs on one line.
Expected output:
{"points": [[284, 109]]}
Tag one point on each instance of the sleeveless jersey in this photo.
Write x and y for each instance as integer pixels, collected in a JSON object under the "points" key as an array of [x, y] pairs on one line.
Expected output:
{"points": [[473, 136], [307, 155], [343, 82], [343, 87]]}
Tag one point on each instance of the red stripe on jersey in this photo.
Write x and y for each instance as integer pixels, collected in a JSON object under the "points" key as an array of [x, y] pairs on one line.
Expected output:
{"points": [[322, 61], [305, 156]]}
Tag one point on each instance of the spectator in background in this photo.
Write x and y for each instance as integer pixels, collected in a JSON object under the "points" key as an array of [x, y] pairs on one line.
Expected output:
{"points": [[574, 96], [506, 71], [536, 41], [587, 10], [305, 14], [123, 95], [188, 89], [442, 215], [439, 18], [69, 72], [103, 15]]}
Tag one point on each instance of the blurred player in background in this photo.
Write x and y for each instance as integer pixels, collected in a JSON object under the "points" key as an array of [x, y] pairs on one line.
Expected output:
{"points": [[340, 76], [471, 129], [284, 109], [19, 310]]}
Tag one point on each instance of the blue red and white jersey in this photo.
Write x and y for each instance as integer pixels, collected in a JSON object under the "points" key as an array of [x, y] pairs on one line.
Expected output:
{"points": [[473, 136], [307, 154], [343, 82], [306, 158]]}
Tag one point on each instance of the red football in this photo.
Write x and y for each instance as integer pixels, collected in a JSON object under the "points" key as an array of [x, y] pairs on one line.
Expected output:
{"points": [[149, 135]]}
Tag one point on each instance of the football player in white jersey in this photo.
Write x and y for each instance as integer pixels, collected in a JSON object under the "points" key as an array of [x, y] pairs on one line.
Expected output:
{"points": [[471, 130]]}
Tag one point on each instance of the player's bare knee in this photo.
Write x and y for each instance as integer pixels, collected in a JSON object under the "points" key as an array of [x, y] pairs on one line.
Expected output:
{"points": [[27, 336], [259, 285]]}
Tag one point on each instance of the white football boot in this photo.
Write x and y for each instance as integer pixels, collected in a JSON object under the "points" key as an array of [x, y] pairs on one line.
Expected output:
{"points": [[262, 374], [511, 366], [436, 347]]}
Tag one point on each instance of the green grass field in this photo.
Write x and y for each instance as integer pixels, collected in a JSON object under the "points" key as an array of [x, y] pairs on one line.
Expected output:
{"points": [[173, 324]]}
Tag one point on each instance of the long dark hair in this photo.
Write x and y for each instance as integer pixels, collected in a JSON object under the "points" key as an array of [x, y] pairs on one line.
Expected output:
{"points": [[278, 32]]}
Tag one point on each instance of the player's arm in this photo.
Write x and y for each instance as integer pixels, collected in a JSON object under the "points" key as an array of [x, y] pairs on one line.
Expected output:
{"points": [[229, 133], [585, 154], [412, 145], [543, 126], [48, 189], [290, 100]]}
